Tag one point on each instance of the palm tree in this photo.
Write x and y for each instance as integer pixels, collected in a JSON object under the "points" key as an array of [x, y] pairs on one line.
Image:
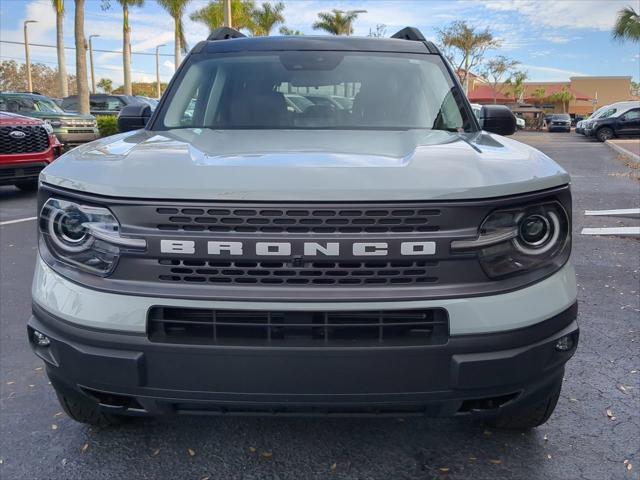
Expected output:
{"points": [[81, 59], [563, 97], [126, 38], [337, 22], [627, 26], [58, 6], [175, 8], [539, 94], [289, 31], [266, 17], [212, 14]]}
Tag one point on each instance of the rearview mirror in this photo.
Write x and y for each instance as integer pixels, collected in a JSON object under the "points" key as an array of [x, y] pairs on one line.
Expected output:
{"points": [[497, 119], [133, 117]]}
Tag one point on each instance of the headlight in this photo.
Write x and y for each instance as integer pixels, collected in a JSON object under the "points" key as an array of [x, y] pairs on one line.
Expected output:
{"points": [[520, 240], [47, 126], [84, 236]]}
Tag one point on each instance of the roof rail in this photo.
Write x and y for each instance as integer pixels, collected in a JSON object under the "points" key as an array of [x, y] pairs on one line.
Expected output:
{"points": [[225, 33], [409, 33]]}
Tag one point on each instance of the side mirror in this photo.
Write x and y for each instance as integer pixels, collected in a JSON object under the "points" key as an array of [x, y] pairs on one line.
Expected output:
{"points": [[497, 119], [133, 117]]}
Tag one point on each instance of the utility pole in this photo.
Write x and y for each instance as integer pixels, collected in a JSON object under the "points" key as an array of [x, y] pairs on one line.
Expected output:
{"points": [[26, 54], [228, 22], [158, 93], [93, 76]]}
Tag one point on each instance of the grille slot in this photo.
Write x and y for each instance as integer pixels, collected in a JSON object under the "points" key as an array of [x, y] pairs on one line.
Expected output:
{"points": [[36, 139], [310, 274], [21, 172], [202, 326], [296, 220]]}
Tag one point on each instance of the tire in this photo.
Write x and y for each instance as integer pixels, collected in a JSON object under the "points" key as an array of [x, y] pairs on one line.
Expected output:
{"points": [[604, 134], [529, 416], [28, 185], [84, 410]]}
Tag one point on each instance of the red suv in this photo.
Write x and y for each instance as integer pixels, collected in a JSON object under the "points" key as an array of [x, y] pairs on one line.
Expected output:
{"points": [[27, 145]]}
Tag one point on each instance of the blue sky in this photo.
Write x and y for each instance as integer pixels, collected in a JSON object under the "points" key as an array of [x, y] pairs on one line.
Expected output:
{"points": [[553, 39]]}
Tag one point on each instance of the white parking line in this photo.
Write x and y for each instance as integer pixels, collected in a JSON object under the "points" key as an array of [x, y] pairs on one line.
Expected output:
{"points": [[624, 231], [19, 220]]}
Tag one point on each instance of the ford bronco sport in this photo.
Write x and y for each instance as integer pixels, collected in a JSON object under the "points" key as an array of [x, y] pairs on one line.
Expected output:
{"points": [[231, 255]]}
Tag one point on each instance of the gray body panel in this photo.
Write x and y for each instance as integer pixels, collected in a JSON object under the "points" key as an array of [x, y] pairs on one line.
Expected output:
{"points": [[305, 165]]}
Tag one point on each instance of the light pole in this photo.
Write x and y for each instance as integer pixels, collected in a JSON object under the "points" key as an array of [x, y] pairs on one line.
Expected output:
{"points": [[26, 54], [158, 70], [93, 76], [227, 20]]}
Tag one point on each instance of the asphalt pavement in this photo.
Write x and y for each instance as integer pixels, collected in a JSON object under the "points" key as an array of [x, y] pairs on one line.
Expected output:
{"points": [[593, 434]]}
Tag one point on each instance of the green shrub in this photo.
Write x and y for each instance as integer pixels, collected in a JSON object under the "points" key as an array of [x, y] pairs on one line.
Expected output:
{"points": [[107, 124]]}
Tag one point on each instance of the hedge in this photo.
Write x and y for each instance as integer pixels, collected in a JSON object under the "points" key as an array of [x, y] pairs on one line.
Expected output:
{"points": [[107, 124]]}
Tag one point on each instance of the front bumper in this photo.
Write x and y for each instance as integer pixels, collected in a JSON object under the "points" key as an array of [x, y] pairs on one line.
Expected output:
{"points": [[71, 137], [480, 374]]}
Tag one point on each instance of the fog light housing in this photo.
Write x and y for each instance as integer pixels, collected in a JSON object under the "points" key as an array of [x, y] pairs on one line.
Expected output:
{"points": [[564, 344], [40, 339]]}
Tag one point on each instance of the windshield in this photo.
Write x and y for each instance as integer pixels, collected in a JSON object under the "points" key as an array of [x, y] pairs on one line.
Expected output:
{"points": [[28, 105], [560, 117], [315, 90]]}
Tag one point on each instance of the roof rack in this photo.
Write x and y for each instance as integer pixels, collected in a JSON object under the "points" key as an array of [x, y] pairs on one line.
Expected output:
{"points": [[225, 33], [409, 33]]}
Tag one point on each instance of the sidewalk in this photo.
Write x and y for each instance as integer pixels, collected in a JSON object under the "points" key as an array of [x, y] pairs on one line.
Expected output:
{"points": [[629, 148]]}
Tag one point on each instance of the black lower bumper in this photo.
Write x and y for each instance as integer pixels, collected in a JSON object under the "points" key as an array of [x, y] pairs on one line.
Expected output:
{"points": [[473, 373]]}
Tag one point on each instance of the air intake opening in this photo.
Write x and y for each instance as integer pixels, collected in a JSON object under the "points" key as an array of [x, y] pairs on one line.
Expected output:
{"points": [[112, 400], [483, 404]]}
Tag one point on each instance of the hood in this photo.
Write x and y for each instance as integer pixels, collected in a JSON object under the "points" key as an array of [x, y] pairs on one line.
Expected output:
{"points": [[304, 165], [7, 118]]}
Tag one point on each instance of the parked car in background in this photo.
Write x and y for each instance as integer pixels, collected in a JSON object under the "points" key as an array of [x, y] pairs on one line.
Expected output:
{"points": [[27, 145], [102, 103], [152, 102], [609, 111], [71, 128], [520, 123], [297, 103], [626, 124], [559, 122]]}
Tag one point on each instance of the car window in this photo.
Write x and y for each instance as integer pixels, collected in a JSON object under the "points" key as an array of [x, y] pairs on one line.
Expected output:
{"points": [[632, 114], [48, 106], [608, 113], [295, 90], [106, 103], [18, 105]]}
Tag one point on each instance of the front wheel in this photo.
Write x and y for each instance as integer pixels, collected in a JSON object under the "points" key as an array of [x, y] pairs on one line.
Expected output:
{"points": [[604, 134], [529, 416]]}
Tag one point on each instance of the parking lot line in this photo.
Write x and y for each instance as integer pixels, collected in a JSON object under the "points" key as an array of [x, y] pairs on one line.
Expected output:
{"points": [[19, 220]]}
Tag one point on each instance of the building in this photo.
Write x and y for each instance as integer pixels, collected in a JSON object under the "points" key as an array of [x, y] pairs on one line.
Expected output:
{"points": [[589, 93]]}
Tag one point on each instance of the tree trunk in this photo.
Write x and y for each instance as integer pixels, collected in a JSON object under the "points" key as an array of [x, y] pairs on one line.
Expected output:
{"points": [[465, 82], [81, 59], [178, 45], [126, 50], [62, 69]]}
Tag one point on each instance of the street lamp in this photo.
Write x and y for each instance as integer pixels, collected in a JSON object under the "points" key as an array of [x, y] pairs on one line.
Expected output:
{"points": [[158, 70], [351, 12], [26, 54], [226, 13], [93, 76]]}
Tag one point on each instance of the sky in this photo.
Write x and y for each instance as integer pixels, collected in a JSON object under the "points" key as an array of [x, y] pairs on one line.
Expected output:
{"points": [[553, 39]]}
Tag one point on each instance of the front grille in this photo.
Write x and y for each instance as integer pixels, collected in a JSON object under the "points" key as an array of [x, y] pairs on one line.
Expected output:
{"points": [[81, 130], [310, 273], [202, 326], [21, 172], [299, 220], [36, 139]]}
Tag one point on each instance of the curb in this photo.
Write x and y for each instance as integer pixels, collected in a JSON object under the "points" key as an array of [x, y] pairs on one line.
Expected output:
{"points": [[635, 159]]}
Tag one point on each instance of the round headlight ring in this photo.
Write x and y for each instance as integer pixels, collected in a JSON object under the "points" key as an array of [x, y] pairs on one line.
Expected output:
{"points": [[534, 230], [546, 242], [64, 232]]}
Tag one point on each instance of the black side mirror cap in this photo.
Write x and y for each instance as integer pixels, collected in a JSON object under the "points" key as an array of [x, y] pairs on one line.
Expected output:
{"points": [[497, 119], [133, 117]]}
